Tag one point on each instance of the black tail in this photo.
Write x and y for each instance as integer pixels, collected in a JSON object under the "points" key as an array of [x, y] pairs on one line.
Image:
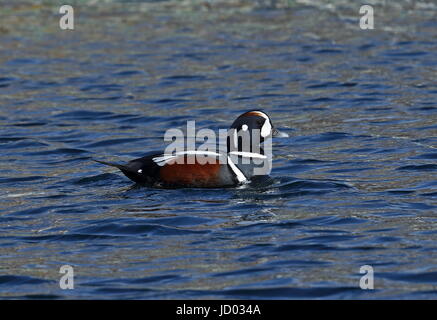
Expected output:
{"points": [[130, 170], [116, 165]]}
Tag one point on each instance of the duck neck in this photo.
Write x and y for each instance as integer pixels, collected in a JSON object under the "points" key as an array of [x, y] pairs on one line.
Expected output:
{"points": [[243, 142]]}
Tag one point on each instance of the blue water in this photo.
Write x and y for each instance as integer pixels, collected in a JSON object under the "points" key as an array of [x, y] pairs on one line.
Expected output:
{"points": [[355, 184]]}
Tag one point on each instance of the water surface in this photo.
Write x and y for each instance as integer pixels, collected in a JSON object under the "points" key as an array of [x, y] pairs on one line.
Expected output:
{"points": [[355, 184]]}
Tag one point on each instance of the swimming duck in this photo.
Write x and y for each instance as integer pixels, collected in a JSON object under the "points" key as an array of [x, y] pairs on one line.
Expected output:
{"points": [[243, 159]]}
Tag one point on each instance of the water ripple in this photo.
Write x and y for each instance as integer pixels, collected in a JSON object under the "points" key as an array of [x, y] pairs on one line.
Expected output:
{"points": [[353, 185]]}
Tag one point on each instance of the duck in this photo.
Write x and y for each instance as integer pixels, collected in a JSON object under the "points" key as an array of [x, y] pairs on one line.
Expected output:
{"points": [[247, 154]]}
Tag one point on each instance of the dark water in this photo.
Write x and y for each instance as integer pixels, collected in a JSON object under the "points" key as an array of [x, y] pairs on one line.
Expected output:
{"points": [[355, 184]]}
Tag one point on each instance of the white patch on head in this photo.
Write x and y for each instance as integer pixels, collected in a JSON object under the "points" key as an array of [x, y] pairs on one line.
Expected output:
{"points": [[244, 127], [266, 129], [140, 171]]}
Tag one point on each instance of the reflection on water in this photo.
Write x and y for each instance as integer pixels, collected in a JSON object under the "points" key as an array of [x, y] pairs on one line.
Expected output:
{"points": [[353, 185]]}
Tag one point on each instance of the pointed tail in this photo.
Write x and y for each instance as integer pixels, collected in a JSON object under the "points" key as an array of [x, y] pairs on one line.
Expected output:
{"points": [[128, 170], [116, 165]]}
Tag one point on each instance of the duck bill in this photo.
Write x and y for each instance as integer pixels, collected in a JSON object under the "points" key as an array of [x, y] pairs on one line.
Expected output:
{"points": [[279, 134]]}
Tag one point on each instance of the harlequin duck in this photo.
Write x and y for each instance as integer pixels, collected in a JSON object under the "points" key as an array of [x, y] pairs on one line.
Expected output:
{"points": [[244, 158]]}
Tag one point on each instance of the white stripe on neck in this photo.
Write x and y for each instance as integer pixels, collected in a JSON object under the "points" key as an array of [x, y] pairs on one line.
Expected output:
{"points": [[240, 176]]}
